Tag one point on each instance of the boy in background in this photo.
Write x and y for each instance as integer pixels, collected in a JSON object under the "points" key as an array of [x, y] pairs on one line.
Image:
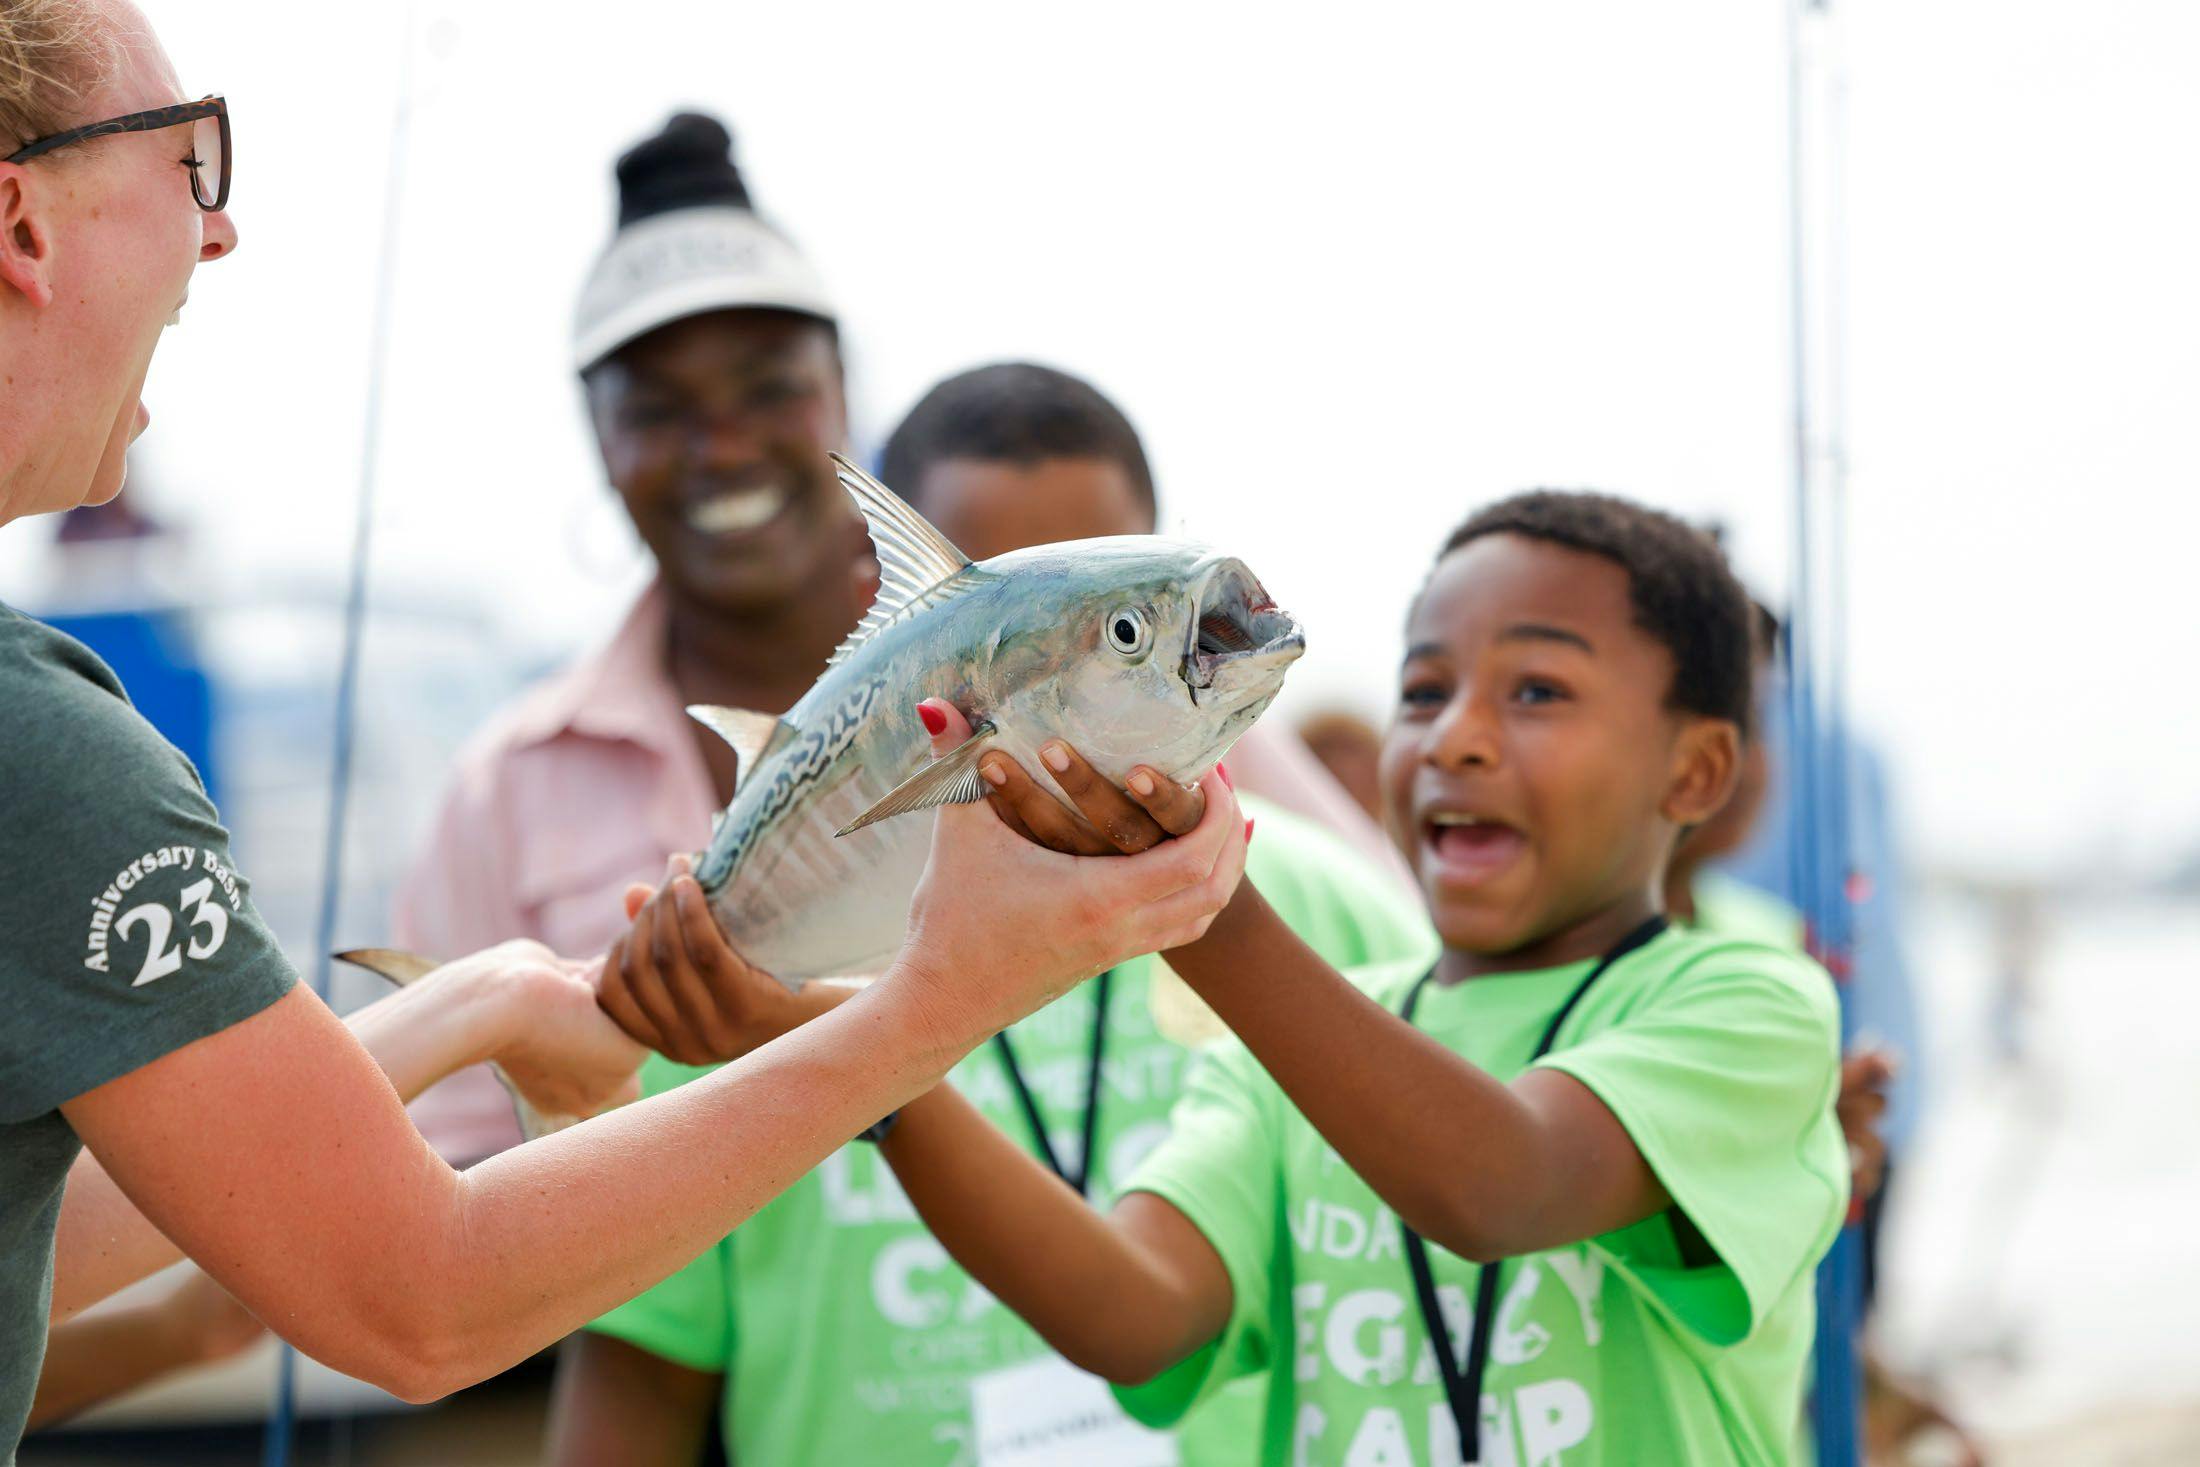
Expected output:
{"points": [[1016, 454]]}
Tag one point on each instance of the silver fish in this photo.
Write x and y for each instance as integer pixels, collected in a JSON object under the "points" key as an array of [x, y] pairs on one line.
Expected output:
{"points": [[1136, 649]]}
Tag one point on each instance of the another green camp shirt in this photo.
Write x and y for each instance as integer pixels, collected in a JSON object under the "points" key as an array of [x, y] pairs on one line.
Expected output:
{"points": [[844, 1331]]}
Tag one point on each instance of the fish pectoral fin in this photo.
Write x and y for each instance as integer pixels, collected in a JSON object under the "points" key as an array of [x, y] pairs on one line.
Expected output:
{"points": [[395, 964], [750, 735], [953, 780]]}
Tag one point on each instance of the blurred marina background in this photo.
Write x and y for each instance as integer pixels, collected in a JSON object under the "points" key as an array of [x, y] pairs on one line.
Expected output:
{"points": [[1351, 273]]}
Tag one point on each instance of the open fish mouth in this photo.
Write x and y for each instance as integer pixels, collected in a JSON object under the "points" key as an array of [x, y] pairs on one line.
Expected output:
{"points": [[1239, 635]]}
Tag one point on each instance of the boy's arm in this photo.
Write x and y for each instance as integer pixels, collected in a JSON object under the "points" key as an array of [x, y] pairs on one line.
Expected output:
{"points": [[1478, 1167], [89, 1360], [1481, 1168], [616, 1402], [1124, 1295]]}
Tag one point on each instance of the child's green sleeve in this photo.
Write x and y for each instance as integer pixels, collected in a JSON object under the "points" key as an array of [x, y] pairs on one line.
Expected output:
{"points": [[1219, 1167], [1725, 1079], [687, 1319]]}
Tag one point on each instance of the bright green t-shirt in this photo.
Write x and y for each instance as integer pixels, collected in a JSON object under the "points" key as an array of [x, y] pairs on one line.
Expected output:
{"points": [[1729, 908], [1681, 1339], [844, 1331]]}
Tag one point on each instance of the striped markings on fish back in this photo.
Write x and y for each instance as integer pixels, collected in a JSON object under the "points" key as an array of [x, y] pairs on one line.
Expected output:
{"points": [[814, 752]]}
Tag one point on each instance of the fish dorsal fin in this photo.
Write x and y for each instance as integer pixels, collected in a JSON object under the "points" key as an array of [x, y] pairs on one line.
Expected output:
{"points": [[917, 565], [750, 735], [952, 780]]}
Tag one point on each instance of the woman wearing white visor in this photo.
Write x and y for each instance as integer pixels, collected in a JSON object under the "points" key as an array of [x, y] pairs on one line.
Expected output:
{"points": [[147, 1016]]}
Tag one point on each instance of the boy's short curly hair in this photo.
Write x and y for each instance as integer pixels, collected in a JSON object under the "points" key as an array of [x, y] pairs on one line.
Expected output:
{"points": [[1683, 593], [1012, 412]]}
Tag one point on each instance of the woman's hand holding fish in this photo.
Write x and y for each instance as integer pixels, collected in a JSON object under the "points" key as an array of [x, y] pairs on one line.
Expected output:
{"points": [[556, 1046], [675, 984], [1000, 926]]}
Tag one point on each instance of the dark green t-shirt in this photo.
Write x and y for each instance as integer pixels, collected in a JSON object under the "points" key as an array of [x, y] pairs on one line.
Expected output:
{"points": [[124, 933]]}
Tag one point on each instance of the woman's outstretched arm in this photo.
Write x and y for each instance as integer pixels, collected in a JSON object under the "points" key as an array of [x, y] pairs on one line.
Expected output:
{"points": [[279, 1156], [513, 1002]]}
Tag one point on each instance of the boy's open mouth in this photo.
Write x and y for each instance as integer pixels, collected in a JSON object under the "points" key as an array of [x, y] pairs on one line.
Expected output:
{"points": [[1470, 848]]}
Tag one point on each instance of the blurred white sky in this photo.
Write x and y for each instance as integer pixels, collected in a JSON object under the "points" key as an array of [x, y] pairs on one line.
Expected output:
{"points": [[1351, 275]]}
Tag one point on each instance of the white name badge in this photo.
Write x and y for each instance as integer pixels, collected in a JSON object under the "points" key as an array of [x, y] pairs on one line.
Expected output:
{"points": [[1048, 1413]]}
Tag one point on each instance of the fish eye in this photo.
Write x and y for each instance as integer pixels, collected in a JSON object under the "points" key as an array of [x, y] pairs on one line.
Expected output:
{"points": [[1126, 631]]}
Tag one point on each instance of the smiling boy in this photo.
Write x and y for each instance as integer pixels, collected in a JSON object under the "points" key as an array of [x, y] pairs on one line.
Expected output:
{"points": [[1596, 1158]]}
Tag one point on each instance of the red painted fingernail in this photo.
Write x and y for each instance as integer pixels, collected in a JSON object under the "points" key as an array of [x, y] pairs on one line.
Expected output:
{"points": [[1224, 771], [1248, 829], [935, 722]]}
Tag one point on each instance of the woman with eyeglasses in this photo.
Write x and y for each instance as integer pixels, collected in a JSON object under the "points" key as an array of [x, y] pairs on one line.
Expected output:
{"points": [[147, 1018]]}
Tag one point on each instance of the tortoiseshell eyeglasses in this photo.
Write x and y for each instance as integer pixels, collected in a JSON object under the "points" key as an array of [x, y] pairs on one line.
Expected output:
{"points": [[209, 157]]}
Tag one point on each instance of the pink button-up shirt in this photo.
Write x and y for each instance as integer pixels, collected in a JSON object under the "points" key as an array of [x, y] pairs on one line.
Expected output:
{"points": [[589, 781], [583, 785]]}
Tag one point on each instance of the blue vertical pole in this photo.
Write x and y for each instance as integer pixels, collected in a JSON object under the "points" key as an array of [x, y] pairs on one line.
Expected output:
{"points": [[1819, 854], [279, 1442]]}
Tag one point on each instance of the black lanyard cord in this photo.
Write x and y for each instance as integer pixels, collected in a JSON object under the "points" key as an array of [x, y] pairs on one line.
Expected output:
{"points": [[1082, 1181], [1463, 1386]]}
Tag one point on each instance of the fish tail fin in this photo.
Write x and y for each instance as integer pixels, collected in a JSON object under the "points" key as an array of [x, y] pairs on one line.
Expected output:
{"points": [[394, 963], [533, 1124]]}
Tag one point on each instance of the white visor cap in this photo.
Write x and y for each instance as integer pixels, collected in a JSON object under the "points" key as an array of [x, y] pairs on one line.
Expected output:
{"points": [[684, 263]]}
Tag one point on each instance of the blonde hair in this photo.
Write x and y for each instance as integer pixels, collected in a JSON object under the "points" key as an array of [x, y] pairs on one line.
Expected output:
{"points": [[52, 52]]}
